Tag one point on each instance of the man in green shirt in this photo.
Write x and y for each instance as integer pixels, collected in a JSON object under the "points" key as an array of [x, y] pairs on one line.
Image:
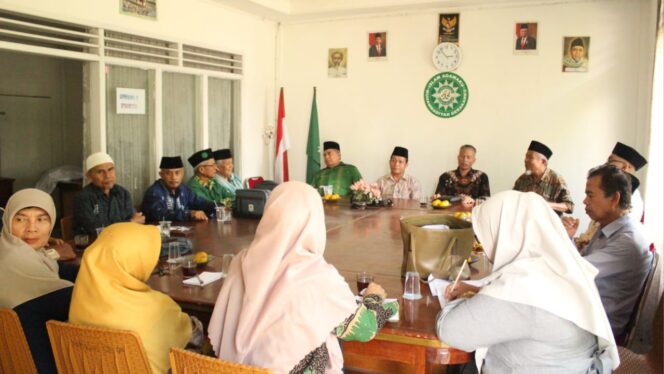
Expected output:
{"points": [[203, 183], [337, 174]]}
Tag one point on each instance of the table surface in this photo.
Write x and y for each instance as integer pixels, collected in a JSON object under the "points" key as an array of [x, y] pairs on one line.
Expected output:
{"points": [[357, 240]]}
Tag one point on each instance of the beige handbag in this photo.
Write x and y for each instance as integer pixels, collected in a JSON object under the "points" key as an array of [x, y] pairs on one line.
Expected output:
{"points": [[429, 251]]}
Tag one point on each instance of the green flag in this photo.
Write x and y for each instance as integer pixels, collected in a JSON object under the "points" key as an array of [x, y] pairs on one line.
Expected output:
{"points": [[313, 143]]}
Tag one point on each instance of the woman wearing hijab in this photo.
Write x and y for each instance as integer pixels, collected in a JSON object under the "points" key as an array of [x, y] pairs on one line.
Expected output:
{"points": [[540, 311], [282, 306], [30, 281], [111, 292]]}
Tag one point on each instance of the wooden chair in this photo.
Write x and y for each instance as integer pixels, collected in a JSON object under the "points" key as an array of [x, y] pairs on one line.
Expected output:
{"points": [[639, 334], [66, 226], [79, 349], [15, 356], [185, 362]]}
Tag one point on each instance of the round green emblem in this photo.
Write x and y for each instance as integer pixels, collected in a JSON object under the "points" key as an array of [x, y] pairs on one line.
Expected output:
{"points": [[446, 95]]}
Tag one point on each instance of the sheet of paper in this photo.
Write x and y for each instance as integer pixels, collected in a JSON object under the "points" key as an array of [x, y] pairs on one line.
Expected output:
{"points": [[440, 227], [207, 277]]}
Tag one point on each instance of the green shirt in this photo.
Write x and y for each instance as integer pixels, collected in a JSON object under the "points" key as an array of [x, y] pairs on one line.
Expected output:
{"points": [[340, 177], [211, 191]]}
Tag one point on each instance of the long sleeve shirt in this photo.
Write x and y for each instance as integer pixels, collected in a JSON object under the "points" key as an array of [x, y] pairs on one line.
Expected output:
{"points": [[407, 187], [551, 186], [340, 177], [520, 338], [93, 209], [362, 326], [211, 190], [160, 203], [620, 253], [230, 184], [474, 184]]}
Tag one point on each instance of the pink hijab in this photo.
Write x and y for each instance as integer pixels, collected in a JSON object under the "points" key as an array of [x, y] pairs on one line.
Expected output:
{"points": [[281, 300]]}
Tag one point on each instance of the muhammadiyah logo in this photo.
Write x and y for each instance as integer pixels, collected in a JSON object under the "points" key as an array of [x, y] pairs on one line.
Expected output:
{"points": [[446, 95]]}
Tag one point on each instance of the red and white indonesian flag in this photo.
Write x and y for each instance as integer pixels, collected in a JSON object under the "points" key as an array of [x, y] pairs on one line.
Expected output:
{"points": [[282, 145]]}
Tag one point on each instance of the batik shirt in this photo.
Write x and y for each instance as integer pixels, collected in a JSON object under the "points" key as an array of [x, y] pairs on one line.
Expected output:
{"points": [[362, 326], [211, 191], [551, 187], [93, 209], [475, 184], [161, 204], [229, 185], [407, 187], [340, 177]]}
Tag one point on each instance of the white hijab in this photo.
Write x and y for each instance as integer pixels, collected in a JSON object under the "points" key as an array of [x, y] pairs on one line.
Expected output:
{"points": [[26, 273], [535, 263]]}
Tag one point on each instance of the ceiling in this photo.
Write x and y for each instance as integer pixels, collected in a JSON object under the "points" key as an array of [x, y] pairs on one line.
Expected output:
{"points": [[309, 10]]}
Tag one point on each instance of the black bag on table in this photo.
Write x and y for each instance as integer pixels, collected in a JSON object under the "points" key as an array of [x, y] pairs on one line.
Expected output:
{"points": [[250, 203]]}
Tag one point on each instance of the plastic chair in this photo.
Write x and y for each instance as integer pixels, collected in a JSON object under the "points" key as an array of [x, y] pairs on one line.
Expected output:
{"points": [[82, 349], [66, 224], [185, 362], [15, 356], [253, 181]]}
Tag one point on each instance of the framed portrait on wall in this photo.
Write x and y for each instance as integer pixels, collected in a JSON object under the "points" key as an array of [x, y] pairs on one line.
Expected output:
{"points": [[378, 46], [448, 28], [576, 54], [140, 8], [337, 63], [525, 38]]}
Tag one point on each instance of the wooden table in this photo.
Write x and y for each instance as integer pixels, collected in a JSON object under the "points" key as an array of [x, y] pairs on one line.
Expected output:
{"points": [[357, 240]]}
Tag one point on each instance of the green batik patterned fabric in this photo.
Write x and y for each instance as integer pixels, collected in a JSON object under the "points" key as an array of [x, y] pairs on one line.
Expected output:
{"points": [[212, 191], [370, 316], [340, 177]]}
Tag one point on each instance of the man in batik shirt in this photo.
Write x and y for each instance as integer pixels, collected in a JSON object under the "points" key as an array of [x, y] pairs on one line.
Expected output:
{"points": [[542, 180], [398, 185], [464, 181]]}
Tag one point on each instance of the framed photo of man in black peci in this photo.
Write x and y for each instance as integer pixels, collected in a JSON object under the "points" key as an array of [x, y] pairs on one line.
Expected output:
{"points": [[525, 38], [378, 46]]}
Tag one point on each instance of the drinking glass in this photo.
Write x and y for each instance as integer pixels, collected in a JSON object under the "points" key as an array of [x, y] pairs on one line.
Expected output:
{"points": [[363, 280], [173, 253], [328, 190], [219, 212], [188, 268], [226, 264], [81, 241], [411, 287], [226, 215], [165, 227], [424, 201]]}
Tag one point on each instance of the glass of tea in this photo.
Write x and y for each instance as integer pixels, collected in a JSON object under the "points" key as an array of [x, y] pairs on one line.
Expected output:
{"points": [[188, 268], [363, 280]]}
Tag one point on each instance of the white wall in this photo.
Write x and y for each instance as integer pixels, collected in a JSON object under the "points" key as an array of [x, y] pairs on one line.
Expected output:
{"points": [[203, 23], [513, 99]]}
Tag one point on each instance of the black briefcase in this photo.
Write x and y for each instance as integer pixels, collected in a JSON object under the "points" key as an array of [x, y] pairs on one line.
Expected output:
{"points": [[250, 203]]}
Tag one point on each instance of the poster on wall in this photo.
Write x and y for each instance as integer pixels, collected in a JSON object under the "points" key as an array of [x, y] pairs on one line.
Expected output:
{"points": [[141, 8], [129, 101], [525, 38], [337, 62], [448, 28], [576, 54], [378, 46]]}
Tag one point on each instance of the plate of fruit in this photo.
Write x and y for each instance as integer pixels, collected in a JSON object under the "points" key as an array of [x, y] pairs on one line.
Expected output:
{"points": [[440, 204], [333, 197], [202, 258]]}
